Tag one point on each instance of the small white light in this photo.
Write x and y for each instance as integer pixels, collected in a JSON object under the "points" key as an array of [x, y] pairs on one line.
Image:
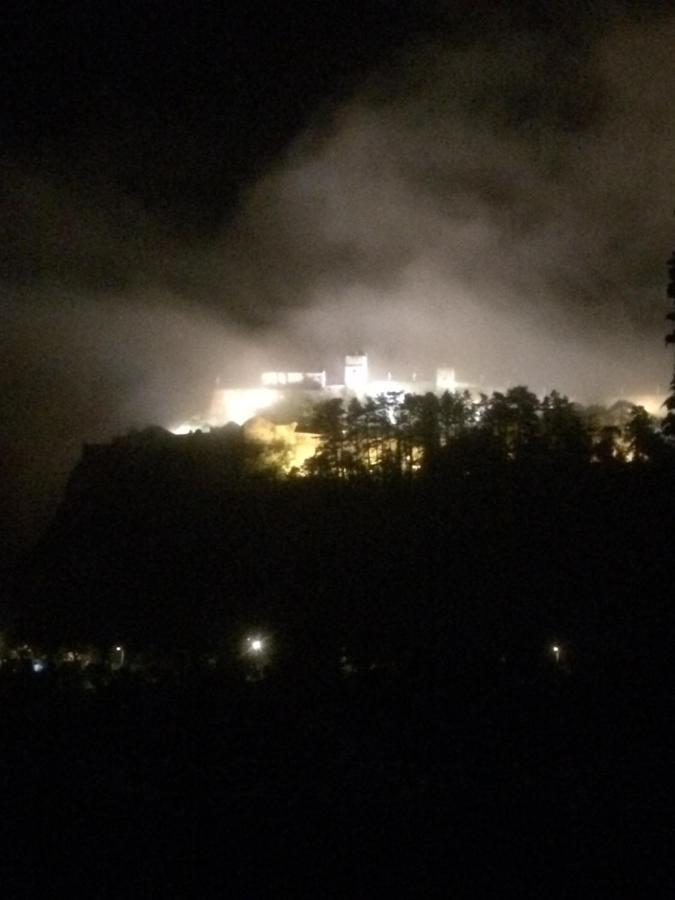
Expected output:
{"points": [[256, 645], [556, 649], [118, 649]]}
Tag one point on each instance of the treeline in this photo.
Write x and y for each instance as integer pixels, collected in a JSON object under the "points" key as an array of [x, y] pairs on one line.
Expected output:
{"points": [[396, 434]]}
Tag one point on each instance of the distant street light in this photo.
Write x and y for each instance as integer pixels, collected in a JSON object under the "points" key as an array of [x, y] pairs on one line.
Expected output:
{"points": [[257, 649], [556, 652]]}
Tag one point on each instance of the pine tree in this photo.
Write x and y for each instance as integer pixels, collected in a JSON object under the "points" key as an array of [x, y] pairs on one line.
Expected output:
{"points": [[642, 437]]}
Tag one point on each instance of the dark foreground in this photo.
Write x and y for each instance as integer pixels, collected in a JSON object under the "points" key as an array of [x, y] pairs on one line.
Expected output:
{"points": [[469, 762], [548, 780]]}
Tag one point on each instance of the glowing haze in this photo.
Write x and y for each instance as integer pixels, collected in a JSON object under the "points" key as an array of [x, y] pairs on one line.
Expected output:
{"points": [[436, 220], [503, 207]]}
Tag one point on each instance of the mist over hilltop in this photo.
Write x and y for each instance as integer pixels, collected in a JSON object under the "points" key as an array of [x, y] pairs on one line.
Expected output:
{"points": [[494, 195]]}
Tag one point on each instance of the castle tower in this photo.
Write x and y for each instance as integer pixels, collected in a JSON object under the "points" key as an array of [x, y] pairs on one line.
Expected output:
{"points": [[445, 380], [356, 373]]}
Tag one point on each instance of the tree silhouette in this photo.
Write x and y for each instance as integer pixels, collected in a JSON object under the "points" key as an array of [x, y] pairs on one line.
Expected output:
{"points": [[496, 419], [669, 421], [513, 420], [454, 414], [390, 435], [390, 455], [423, 425], [607, 449], [354, 426], [329, 421], [565, 438], [641, 436]]}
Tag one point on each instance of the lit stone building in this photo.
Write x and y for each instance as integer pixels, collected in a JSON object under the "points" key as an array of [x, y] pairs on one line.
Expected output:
{"points": [[356, 373], [239, 404]]}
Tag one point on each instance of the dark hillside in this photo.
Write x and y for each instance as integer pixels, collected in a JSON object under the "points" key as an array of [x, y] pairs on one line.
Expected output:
{"points": [[166, 541]]}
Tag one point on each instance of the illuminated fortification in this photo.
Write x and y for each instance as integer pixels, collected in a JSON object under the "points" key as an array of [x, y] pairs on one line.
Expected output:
{"points": [[356, 373], [240, 404]]}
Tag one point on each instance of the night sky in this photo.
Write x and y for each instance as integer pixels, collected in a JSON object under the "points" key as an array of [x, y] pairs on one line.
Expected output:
{"points": [[193, 190]]}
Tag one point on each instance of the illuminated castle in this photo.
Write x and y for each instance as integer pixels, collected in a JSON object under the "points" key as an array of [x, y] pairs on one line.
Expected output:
{"points": [[356, 374], [240, 404]]}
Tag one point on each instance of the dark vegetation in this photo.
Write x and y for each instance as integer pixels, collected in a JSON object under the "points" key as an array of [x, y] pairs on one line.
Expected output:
{"points": [[455, 435], [669, 421]]}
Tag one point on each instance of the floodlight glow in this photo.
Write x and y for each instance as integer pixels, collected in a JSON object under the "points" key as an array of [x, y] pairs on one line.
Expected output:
{"points": [[256, 645], [241, 404]]}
